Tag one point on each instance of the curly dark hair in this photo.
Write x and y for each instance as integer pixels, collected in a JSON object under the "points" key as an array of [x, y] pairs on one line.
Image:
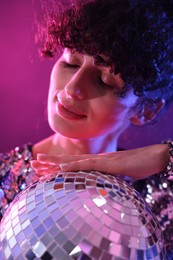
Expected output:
{"points": [[136, 35]]}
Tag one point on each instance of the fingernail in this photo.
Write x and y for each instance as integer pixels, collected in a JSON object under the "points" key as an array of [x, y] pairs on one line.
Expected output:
{"points": [[33, 161], [63, 166], [41, 154]]}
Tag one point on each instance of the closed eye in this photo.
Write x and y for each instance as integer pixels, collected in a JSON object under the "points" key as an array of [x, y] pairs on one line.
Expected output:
{"points": [[116, 91], [103, 84], [69, 65]]}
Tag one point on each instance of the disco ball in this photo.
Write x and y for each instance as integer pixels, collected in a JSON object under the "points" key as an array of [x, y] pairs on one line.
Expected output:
{"points": [[80, 215]]}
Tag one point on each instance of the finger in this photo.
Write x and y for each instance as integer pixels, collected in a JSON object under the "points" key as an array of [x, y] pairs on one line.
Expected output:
{"points": [[37, 165], [90, 164], [53, 159], [44, 158], [41, 172], [50, 159]]}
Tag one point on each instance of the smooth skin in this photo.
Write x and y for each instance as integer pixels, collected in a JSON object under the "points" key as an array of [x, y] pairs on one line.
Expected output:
{"points": [[137, 163], [87, 115]]}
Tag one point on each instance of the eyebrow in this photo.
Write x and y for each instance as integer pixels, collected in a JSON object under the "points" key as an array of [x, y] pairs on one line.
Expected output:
{"points": [[68, 55], [99, 60]]}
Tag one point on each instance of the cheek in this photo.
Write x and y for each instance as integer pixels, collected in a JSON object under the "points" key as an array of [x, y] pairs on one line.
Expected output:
{"points": [[120, 118], [54, 79], [57, 83], [58, 75], [113, 113], [123, 108]]}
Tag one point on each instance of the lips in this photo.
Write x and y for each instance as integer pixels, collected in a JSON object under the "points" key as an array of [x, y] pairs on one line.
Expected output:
{"points": [[68, 111]]}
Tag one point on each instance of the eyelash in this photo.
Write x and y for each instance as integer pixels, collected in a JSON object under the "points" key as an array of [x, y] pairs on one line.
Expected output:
{"points": [[100, 81], [68, 65], [103, 84]]}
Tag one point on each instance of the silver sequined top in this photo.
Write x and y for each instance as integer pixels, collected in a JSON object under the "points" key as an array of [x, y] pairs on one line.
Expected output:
{"points": [[158, 193], [16, 173]]}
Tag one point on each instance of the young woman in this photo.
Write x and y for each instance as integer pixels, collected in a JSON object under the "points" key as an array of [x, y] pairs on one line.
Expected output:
{"points": [[115, 69]]}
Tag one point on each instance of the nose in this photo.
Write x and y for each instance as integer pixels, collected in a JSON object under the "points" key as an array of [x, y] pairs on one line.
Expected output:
{"points": [[75, 93], [78, 85]]}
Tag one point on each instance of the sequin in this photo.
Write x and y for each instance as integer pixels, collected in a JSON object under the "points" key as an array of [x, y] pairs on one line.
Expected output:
{"points": [[158, 193], [15, 174]]}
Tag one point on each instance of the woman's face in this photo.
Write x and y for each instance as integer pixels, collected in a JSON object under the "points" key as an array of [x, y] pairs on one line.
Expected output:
{"points": [[83, 101]]}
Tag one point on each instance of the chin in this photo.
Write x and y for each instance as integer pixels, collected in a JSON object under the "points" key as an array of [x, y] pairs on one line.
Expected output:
{"points": [[71, 130], [80, 130], [73, 133]]}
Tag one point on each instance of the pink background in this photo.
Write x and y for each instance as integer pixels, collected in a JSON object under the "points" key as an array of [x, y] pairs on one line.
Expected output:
{"points": [[24, 81]]}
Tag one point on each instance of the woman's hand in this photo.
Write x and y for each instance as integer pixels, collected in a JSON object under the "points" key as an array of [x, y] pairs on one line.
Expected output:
{"points": [[137, 163]]}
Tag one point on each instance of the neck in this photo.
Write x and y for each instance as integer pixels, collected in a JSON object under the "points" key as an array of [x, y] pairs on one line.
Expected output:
{"points": [[66, 146]]}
